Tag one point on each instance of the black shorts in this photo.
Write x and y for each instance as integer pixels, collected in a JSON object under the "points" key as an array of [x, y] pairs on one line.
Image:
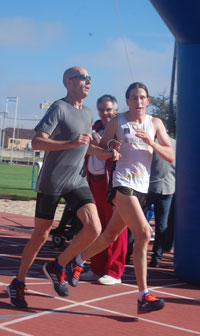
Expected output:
{"points": [[46, 204], [127, 191]]}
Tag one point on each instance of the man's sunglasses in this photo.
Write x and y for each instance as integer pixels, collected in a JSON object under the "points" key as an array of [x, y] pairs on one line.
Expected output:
{"points": [[82, 77]]}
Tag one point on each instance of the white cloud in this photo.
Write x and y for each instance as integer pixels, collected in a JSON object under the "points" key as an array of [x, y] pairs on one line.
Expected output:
{"points": [[124, 62], [26, 32], [110, 74]]}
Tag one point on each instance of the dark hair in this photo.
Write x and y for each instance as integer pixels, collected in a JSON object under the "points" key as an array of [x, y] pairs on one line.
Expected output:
{"points": [[136, 85], [108, 97]]}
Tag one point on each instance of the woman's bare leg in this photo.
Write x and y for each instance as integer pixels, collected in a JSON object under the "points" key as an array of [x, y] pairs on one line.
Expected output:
{"points": [[90, 231], [132, 214], [111, 232]]}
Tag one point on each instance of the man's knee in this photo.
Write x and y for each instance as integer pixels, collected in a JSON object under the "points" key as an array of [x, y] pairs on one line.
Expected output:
{"points": [[42, 228], [90, 220]]}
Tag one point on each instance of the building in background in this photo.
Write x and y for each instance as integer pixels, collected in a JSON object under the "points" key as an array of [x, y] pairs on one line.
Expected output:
{"points": [[22, 138]]}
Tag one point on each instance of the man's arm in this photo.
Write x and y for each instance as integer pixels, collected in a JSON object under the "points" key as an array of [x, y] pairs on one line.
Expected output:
{"points": [[41, 141], [103, 154]]}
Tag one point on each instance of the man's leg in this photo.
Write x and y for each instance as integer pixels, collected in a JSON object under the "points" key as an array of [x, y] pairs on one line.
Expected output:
{"points": [[39, 237], [90, 231], [170, 227], [17, 286], [161, 209], [44, 214]]}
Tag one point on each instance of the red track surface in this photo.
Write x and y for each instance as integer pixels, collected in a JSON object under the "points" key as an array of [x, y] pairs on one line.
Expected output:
{"points": [[91, 309]]}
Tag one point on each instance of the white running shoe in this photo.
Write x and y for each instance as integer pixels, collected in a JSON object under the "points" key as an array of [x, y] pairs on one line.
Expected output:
{"points": [[89, 276], [108, 280]]}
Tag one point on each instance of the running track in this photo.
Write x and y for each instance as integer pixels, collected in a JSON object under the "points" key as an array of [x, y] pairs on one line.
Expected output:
{"points": [[91, 309]]}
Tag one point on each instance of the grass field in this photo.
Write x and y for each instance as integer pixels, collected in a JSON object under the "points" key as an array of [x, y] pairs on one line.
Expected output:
{"points": [[16, 181]]}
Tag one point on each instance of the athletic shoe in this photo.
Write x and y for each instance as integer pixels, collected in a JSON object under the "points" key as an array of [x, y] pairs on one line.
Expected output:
{"points": [[73, 274], [16, 294], [108, 280], [57, 278], [89, 276], [149, 303]]}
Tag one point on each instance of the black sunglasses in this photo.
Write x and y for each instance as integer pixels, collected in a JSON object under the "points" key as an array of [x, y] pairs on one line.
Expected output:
{"points": [[82, 77]]}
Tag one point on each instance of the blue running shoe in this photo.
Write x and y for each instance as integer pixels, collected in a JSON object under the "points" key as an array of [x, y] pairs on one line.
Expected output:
{"points": [[150, 303], [57, 278], [16, 294], [73, 274]]}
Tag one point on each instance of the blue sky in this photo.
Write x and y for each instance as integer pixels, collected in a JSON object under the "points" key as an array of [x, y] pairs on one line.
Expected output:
{"points": [[117, 41]]}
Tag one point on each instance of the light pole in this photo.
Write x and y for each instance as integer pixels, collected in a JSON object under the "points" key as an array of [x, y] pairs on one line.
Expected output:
{"points": [[45, 105], [14, 100], [1, 130], [5, 114]]}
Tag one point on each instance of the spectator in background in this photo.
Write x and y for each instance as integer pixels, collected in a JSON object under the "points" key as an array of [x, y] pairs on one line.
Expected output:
{"points": [[107, 267], [161, 193]]}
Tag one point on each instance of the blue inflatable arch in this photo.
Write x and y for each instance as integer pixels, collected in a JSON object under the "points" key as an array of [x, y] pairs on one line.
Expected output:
{"points": [[183, 20]]}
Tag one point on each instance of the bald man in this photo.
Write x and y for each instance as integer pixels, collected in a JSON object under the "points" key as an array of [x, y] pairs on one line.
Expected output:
{"points": [[64, 133]]}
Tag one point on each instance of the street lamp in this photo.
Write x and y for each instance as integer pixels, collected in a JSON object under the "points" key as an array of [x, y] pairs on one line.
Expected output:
{"points": [[5, 114], [14, 100], [45, 105], [1, 130]]}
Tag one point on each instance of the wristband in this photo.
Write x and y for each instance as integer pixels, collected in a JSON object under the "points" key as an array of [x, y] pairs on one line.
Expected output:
{"points": [[108, 145]]}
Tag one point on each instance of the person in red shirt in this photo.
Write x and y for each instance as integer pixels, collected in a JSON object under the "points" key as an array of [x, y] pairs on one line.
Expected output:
{"points": [[107, 267]]}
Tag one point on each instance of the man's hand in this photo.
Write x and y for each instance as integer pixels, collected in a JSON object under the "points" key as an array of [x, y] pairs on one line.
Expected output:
{"points": [[82, 139]]}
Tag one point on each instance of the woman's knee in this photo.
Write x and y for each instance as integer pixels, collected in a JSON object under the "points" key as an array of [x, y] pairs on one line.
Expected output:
{"points": [[143, 236]]}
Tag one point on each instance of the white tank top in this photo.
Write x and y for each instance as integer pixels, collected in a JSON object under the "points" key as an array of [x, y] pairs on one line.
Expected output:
{"points": [[133, 168]]}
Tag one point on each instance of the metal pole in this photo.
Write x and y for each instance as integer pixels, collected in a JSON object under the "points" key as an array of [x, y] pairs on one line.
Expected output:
{"points": [[13, 99], [3, 130]]}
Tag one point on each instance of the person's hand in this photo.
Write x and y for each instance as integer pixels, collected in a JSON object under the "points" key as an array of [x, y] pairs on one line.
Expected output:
{"points": [[114, 144], [81, 139], [144, 136], [96, 137], [116, 155]]}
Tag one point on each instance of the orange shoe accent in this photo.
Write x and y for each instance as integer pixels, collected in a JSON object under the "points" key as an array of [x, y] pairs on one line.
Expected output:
{"points": [[77, 271], [150, 297]]}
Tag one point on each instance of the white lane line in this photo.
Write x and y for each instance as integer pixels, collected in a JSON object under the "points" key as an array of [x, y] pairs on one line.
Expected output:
{"points": [[15, 332], [87, 304]]}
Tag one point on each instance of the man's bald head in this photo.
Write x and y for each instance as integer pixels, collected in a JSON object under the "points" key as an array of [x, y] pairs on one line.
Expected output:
{"points": [[74, 71]]}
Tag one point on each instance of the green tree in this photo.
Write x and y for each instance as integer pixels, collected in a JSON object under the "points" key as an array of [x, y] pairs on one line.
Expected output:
{"points": [[163, 108]]}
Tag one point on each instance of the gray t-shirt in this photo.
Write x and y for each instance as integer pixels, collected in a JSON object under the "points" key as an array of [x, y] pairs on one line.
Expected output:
{"points": [[62, 170], [162, 178]]}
